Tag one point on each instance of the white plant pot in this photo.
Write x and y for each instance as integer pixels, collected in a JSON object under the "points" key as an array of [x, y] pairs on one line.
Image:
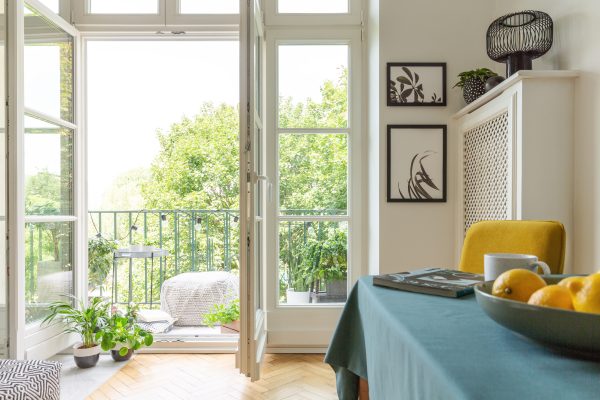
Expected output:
{"points": [[294, 297], [87, 357]]}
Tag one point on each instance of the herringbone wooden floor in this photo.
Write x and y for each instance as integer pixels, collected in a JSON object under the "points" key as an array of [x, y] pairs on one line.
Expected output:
{"points": [[213, 376]]}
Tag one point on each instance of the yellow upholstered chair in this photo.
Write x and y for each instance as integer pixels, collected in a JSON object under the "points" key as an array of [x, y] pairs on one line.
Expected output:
{"points": [[544, 239]]}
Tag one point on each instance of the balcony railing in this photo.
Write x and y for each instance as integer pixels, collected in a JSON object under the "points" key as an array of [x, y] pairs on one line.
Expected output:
{"points": [[196, 240]]}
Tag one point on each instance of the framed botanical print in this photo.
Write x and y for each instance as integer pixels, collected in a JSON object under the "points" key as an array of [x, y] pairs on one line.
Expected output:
{"points": [[416, 163], [416, 84]]}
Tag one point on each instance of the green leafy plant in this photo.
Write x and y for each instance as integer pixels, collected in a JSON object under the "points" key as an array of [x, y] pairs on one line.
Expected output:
{"points": [[100, 259], [122, 329], [480, 73], [84, 321], [223, 313], [326, 259]]}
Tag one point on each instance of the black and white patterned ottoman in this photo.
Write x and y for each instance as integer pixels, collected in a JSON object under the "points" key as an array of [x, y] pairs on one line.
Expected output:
{"points": [[29, 380]]}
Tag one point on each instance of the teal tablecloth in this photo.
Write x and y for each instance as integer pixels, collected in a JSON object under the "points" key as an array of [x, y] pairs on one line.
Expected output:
{"points": [[416, 346]]}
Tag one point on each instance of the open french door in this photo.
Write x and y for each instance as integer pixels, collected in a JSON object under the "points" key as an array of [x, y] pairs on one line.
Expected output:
{"points": [[253, 184], [45, 202]]}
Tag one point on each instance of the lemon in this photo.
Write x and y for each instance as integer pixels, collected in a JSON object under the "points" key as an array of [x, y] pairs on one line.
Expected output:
{"points": [[586, 294], [572, 282], [517, 284], [552, 296]]}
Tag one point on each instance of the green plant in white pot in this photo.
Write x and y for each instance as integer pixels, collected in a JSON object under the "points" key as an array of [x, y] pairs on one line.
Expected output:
{"points": [[87, 322]]}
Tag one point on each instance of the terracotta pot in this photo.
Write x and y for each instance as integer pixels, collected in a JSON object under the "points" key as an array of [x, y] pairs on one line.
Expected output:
{"points": [[86, 357], [232, 327]]}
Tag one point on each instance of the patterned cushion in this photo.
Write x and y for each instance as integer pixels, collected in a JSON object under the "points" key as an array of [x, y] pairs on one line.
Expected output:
{"points": [[29, 380]]}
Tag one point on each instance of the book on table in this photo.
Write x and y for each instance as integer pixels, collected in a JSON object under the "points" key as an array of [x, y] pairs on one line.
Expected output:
{"points": [[436, 281]]}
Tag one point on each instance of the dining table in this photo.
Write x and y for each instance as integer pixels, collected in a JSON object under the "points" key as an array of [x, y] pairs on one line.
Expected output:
{"points": [[418, 346]]}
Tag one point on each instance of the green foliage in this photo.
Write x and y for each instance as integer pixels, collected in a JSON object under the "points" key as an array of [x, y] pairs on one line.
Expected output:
{"points": [[100, 260], [84, 321], [122, 330], [198, 163], [326, 258], [480, 73], [223, 313]]}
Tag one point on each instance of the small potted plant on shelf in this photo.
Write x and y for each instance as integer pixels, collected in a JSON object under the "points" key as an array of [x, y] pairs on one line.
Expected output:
{"points": [[473, 83], [122, 336], [226, 315], [87, 322]]}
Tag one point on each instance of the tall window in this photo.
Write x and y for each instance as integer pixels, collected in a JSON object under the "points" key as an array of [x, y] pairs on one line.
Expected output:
{"points": [[313, 140], [48, 161]]}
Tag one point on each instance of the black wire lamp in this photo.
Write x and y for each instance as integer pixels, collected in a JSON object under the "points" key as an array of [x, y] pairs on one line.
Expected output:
{"points": [[518, 38]]}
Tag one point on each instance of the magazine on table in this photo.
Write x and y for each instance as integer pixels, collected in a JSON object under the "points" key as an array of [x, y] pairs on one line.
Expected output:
{"points": [[436, 281]]}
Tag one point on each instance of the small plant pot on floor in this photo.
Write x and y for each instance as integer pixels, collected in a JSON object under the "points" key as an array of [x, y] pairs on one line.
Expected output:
{"points": [[231, 327], [86, 357], [117, 356]]}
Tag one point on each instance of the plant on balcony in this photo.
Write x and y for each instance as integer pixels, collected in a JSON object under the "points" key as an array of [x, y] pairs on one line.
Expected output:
{"points": [[87, 322], [122, 336], [100, 259], [226, 315]]}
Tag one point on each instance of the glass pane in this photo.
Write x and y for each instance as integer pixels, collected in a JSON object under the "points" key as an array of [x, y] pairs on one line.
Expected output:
{"points": [[313, 86], [209, 6], [48, 169], [48, 68], [312, 6], [313, 262], [123, 7], [3, 282], [313, 174], [53, 5], [48, 266]]}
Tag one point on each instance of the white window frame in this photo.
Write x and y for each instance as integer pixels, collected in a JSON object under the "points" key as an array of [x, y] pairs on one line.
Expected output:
{"points": [[34, 340], [274, 18], [168, 19], [287, 323]]}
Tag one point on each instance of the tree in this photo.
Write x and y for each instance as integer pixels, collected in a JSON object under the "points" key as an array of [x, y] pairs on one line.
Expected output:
{"points": [[197, 167]]}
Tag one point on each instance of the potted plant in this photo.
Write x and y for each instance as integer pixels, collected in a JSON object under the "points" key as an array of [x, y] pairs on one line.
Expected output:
{"points": [[326, 260], [227, 315], [122, 336], [100, 260], [473, 83], [300, 282], [87, 322]]}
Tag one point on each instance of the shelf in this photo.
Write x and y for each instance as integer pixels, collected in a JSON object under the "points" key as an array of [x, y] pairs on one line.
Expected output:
{"points": [[515, 78], [147, 253]]}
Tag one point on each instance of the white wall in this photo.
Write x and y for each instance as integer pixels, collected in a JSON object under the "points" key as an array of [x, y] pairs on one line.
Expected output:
{"points": [[416, 235], [577, 30]]}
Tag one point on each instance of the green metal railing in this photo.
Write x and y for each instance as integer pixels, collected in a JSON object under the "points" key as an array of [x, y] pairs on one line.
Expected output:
{"points": [[197, 240]]}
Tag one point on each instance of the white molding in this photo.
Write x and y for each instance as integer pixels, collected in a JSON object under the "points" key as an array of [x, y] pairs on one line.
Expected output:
{"points": [[52, 17], [15, 189], [48, 118], [274, 18]]}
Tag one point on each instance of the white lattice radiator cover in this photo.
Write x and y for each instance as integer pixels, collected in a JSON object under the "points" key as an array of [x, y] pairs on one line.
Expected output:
{"points": [[487, 171]]}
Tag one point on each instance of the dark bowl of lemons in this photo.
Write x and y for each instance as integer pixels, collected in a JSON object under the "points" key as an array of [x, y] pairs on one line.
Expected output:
{"points": [[559, 311]]}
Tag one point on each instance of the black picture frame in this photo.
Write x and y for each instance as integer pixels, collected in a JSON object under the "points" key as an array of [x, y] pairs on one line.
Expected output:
{"points": [[395, 70], [400, 155]]}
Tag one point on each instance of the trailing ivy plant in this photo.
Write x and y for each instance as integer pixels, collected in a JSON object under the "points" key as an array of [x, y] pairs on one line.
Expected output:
{"points": [[100, 259], [480, 73], [223, 313]]}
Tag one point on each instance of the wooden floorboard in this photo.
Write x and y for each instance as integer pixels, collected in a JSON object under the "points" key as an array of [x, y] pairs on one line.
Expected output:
{"points": [[214, 377]]}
